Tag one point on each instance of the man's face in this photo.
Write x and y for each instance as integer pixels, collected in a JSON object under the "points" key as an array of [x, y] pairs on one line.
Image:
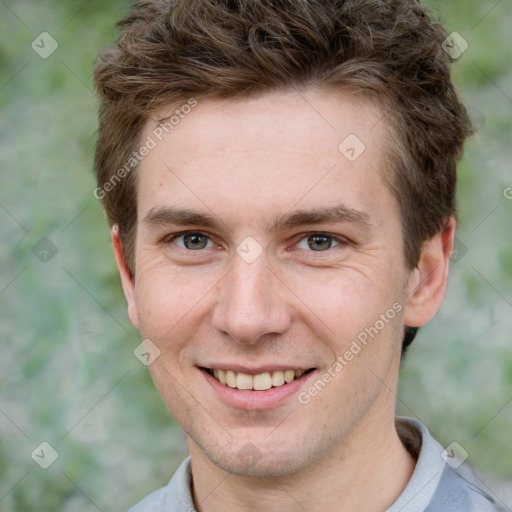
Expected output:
{"points": [[271, 284]]}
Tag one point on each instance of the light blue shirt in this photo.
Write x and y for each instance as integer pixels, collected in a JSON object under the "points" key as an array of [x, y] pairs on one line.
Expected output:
{"points": [[435, 486]]}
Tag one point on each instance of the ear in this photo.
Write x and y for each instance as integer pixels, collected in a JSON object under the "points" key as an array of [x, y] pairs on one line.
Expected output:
{"points": [[126, 278], [427, 285]]}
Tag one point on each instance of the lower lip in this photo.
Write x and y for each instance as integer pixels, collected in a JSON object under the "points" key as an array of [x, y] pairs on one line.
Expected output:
{"points": [[255, 400]]}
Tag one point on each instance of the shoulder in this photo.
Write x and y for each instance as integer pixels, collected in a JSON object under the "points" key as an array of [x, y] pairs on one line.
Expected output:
{"points": [[460, 489], [153, 502], [176, 496], [439, 485]]}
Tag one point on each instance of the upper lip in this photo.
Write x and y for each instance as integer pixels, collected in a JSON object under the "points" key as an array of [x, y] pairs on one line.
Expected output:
{"points": [[254, 370]]}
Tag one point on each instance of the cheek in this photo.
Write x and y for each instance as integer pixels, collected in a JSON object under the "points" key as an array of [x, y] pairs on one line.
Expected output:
{"points": [[347, 300], [169, 299]]}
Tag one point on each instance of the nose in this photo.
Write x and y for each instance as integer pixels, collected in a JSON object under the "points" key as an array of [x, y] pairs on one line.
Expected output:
{"points": [[251, 302]]}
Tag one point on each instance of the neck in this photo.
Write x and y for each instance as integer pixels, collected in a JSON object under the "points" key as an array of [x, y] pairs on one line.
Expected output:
{"points": [[368, 472]]}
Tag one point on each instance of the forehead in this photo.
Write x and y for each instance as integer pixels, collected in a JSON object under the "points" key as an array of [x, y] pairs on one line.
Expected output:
{"points": [[266, 153]]}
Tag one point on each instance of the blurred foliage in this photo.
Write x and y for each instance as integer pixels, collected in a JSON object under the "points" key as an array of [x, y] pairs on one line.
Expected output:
{"points": [[69, 376]]}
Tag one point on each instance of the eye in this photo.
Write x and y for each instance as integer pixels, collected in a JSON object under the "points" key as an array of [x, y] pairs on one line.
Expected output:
{"points": [[318, 242], [191, 240]]}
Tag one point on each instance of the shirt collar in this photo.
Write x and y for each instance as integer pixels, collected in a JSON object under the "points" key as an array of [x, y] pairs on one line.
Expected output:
{"points": [[423, 483]]}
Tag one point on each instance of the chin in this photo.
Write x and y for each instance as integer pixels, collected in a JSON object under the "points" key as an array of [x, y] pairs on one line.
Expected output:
{"points": [[262, 458], [265, 466]]}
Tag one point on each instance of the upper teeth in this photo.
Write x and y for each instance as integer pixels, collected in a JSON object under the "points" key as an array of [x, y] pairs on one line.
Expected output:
{"points": [[258, 382]]}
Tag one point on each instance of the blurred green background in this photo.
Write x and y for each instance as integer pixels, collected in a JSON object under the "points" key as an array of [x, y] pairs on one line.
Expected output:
{"points": [[68, 375]]}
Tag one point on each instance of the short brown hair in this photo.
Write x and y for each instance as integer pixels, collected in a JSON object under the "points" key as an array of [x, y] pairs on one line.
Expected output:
{"points": [[170, 51]]}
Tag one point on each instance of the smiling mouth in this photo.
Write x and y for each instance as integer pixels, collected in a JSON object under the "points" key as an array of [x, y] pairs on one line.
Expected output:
{"points": [[258, 382]]}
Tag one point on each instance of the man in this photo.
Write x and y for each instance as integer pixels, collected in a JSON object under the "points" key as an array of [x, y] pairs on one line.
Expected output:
{"points": [[280, 180]]}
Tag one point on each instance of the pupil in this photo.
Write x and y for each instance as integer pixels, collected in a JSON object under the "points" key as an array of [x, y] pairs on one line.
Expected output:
{"points": [[319, 242], [195, 240]]}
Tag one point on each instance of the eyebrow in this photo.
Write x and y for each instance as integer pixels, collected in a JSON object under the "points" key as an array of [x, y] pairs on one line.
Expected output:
{"points": [[329, 215]]}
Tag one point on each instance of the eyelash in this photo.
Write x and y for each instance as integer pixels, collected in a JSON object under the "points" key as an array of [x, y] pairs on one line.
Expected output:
{"points": [[304, 236]]}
